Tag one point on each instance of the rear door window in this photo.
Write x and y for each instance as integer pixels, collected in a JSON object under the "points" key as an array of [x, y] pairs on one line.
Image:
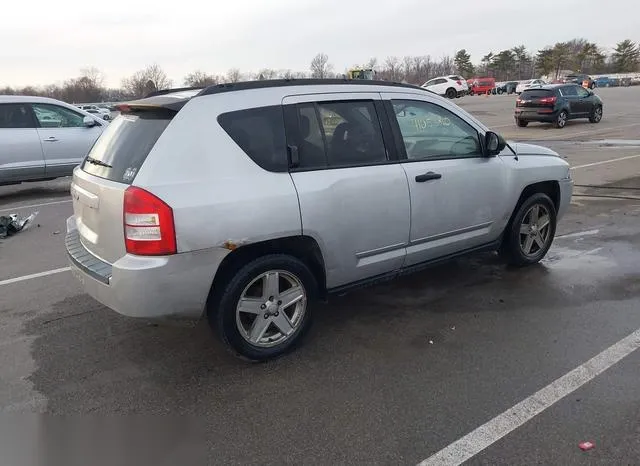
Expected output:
{"points": [[339, 134], [569, 91], [260, 134], [16, 116], [125, 144]]}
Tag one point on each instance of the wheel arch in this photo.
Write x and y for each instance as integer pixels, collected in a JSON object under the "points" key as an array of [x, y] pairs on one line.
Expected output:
{"points": [[551, 188], [302, 247]]}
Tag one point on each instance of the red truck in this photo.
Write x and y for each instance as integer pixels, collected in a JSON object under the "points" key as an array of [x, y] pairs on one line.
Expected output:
{"points": [[481, 85]]}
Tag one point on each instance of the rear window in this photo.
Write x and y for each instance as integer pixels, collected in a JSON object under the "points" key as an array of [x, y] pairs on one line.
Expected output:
{"points": [[536, 94], [124, 145], [260, 134]]}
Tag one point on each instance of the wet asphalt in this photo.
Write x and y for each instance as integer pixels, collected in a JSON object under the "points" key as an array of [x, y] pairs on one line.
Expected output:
{"points": [[388, 375]]}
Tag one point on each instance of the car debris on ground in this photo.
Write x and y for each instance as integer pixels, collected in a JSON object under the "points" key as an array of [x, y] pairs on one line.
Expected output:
{"points": [[12, 224], [586, 446]]}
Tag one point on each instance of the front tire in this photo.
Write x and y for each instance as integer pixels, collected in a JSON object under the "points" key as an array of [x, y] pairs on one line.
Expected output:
{"points": [[263, 311], [530, 234], [596, 115]]}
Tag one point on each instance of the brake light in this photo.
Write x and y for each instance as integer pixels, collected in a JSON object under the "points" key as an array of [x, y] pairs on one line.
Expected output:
{"points": [[548, 100], [459, 82], [149, 229]]}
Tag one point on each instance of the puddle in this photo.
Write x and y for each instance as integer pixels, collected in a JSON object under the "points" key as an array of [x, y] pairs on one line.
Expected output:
{"points": [[572, 259]]}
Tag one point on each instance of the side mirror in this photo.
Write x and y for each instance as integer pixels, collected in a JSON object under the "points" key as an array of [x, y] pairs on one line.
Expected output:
{"points": [[493, 143], [88, 121]]}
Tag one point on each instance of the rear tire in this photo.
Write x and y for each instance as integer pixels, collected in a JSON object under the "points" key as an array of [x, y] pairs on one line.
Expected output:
{"points": [[528, 237], [561, 120], [451, 93], [521, 123], [596, 115], [235, 324]]}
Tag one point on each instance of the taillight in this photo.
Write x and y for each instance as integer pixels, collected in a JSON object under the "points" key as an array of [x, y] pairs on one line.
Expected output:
{"points": [[149, 229], [518, 102], [548, 100], [459, 82]]}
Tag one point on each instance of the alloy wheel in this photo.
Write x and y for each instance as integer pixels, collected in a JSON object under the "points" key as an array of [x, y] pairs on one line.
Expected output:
{"points": [[535, 230], [271, 308], [562, 120], [597, 114]]}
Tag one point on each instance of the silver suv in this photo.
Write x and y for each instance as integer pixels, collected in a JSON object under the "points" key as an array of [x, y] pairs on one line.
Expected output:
{"points": [[246, 202], [43, 139]]}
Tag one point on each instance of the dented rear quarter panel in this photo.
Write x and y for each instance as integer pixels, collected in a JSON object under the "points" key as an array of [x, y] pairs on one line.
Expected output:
{"points": [[218, 194]]}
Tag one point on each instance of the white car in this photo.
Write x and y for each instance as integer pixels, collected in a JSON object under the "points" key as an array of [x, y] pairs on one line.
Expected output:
{"points": [[104, 113], [450, 86], [42, 138], [105, 116], [529, 83]]}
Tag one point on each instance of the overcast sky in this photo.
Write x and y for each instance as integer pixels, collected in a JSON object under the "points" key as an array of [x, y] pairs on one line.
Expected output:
{"points": [[48, 41]]}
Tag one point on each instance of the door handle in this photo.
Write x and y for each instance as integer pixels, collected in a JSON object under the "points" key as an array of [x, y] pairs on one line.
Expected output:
{"points": [[428, 176], [51, 139]]}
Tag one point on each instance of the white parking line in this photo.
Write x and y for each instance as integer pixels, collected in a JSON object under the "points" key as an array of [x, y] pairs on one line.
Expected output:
{"points": [[579, 234], [606, 161], [487, 434], [31, 206], [570, 135], [34, 275]]}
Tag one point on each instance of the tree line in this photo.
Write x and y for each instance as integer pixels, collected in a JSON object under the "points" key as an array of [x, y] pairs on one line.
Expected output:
{"points": [[516, 63]]}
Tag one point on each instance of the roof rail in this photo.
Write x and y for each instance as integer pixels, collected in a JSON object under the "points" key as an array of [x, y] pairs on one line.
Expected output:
{"points": [[247, 85], [169, 91]]}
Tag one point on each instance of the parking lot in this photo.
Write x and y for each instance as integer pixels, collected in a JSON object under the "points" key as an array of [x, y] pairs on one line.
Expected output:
{"points": [[393, 374]]}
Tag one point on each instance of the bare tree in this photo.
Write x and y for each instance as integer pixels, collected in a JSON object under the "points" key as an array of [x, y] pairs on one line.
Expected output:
{"points": [[408, 70], [200, 79], [289, 74], [266, 73], [391, 69], [152, 78], [234, 75], [93, 75], [320, 66]]}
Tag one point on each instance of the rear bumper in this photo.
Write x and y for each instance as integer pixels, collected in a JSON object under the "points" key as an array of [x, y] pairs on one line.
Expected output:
{"points": [[535, 115], [149, 287]]}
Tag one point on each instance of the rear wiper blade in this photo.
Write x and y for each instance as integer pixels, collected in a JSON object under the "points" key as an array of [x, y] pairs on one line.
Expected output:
{"points": [[98, 162]]}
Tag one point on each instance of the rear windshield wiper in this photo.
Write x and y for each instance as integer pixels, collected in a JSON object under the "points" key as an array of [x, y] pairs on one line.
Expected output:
{"points": [[98, 162]]}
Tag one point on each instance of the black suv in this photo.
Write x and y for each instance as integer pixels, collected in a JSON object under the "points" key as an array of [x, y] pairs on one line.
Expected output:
{"points": [[557, 103]]}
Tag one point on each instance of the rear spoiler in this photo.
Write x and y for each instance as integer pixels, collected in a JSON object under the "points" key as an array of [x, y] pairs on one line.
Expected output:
{"points": [[170, 99], [170, 91]]}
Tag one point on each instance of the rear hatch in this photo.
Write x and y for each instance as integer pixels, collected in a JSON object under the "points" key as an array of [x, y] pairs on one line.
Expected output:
{"points": [[536, 98], [99, 184]]}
